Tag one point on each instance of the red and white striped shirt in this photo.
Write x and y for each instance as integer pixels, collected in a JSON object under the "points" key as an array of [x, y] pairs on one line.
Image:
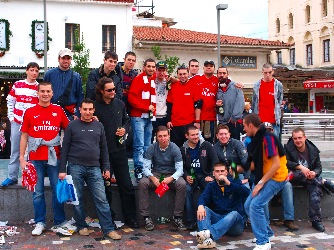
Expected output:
{"points": [[23, 95]]}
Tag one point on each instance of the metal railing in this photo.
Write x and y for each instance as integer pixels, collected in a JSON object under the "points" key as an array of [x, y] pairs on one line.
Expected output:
{"points": [[317, 126]]}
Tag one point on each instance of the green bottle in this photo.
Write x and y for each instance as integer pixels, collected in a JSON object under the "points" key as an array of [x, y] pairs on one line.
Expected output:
{"points": [[235, 170], [162, 177], [192, 174]]}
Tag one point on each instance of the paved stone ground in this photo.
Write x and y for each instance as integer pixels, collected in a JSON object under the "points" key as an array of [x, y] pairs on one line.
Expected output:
{"points": [[165, 236]]}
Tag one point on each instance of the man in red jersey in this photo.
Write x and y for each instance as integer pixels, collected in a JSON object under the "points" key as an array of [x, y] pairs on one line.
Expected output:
{"points": [[181, 105], [207, 87], [40, 131], [267, 98]]}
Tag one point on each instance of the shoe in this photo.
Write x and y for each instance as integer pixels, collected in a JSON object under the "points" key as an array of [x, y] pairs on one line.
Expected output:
{"points": [[149, 226], [85, 231], [68, 226], [201, 236], [114, 235], [179, 223], [329, 185], [270, 239], [8, 182], [266, 246], [191, 226], [39, 228], [291, 225], [318, 225], [62, 230], [132, 223], [208, 243]]}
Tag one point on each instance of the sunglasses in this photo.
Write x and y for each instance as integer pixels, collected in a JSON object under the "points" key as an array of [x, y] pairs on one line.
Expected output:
{"points": [[182, 67], [110, 90]]}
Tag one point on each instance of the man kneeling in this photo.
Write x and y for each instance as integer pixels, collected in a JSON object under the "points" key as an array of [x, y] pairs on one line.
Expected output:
{"points": [[225, 197]]}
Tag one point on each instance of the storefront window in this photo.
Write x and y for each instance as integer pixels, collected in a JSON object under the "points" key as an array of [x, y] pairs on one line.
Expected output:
{"points": [[324, 102]]}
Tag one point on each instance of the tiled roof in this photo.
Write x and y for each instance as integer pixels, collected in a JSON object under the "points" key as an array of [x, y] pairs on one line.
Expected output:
{"points": [[166, 34], [116, 1]]}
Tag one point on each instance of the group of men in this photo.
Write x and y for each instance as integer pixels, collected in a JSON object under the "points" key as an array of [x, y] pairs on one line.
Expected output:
{"points": [[183, 119]]}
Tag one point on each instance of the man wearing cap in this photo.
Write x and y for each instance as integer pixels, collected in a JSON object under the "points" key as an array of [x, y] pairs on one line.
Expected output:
{"points": [[106, 69], [66, 85], [161, 94], [205, 112]]}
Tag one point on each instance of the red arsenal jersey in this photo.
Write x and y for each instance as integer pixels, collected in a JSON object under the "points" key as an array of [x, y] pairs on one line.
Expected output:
{"points": [[45, 123], [267, 101]]}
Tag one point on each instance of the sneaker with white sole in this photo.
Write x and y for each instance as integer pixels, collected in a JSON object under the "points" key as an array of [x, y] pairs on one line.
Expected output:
{"points": [[69, 226], [61, 230], [266, 246], [201, 236], [208, 243], [39, 228]]}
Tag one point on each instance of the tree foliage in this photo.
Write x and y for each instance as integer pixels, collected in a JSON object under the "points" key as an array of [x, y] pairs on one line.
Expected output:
{"points": [[172, 61]]}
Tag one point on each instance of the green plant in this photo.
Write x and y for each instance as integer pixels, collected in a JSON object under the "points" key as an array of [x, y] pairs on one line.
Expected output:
{"points": [[81, 59], [172, 61]]}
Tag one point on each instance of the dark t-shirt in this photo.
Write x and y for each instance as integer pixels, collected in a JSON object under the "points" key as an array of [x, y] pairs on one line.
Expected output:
{"points": [[304, 158], [194, 154]]}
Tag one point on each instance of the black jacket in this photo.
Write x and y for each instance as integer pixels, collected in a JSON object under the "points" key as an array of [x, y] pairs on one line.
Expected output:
{"points": [[94, 77], [207, 158], [112, 116], [292, 156]]}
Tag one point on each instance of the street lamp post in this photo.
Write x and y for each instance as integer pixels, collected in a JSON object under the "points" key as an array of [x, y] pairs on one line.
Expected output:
{"points": [[219, 7]]}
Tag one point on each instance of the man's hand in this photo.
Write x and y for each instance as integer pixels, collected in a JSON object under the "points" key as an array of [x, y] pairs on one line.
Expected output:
{"points": [[239, 85], [75, 117], [197, 125], [62, 176], [169, 125], [219, 103], [106, 174], [155, 180], [209, 179], [305, 170], [257, 189], [120, 132], [95, 118], [201, 213], [168, 180], [151, 108], [311, 175], [23, 164], [224, 178], [189, 179]]}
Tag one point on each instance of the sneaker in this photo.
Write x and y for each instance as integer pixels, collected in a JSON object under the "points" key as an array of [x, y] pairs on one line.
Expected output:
{"points": [[114, 235], [39, 228], [208, 243], [132, 223], [318, 225], [8, 182], [266, 246], [201, 236], [85, 231], [329, 185], [149, 226], [179, 223], [270, 239], [69, 226], [291, 225], [61, 230]]}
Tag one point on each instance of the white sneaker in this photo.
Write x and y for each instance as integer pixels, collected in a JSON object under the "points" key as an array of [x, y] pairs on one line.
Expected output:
{"points": [[208, 243], [266, 246], [270, 239], [61, 230], [39, 228], [69, 226], [201, 236]]}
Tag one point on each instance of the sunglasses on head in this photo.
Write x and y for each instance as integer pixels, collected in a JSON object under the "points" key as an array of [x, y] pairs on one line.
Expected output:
{"points": [[110, 90], [182, 67]]}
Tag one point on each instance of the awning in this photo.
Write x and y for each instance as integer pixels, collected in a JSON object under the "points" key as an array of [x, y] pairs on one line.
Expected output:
{"points": [[319, 84]]}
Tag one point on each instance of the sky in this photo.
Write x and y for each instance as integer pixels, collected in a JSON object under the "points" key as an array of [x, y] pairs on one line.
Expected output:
{"points": [[248, 18]]}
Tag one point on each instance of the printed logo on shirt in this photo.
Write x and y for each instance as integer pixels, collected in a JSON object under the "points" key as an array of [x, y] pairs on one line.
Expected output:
{"points": [[207, 92], [35, 116], [186, 93], [54, 114], [195, 164], [46, 127], [203, 153]]}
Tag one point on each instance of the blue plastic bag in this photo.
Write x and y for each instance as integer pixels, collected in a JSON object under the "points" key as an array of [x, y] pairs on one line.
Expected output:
{"points": [[63, 191]]}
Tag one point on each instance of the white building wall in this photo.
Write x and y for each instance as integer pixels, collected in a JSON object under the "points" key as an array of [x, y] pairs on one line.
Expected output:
{"points": [[90, 15]]}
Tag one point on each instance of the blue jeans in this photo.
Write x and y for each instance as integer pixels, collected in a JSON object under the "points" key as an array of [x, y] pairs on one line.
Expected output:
{"points": [[93, 177], [256, 208], [43, 167], [231, 224], [142, 134], [287, 201], [14, 163], [190, 189], [277, 130]]}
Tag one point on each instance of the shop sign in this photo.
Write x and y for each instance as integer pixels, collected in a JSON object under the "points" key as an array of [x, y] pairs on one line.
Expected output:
{"points": [[245, 62], [326, 84]]}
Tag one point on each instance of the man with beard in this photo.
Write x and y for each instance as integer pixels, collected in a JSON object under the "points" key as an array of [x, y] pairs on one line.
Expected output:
{"points": [[230, 103]]}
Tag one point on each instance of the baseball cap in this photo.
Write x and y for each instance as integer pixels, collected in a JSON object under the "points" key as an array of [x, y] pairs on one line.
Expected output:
{"points": [[65, 52], [162, 64], [209, 62], [268, 126]]}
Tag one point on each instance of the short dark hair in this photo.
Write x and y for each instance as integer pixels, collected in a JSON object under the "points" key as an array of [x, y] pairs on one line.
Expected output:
{"points": [[298, 129], [190, 127], [267, 66], [100, 86], [130, 53], [182, 67], [87, 100], [220, 164], [110, 54], [192, 60], [222, 67], [44, 84], [162, 128], [222, 126], [148, 60], [32, 65], [253, 119]]}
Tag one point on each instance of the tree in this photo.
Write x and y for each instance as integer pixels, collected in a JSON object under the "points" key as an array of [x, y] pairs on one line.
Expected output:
{"points": [[172, 61], [81, 59]]}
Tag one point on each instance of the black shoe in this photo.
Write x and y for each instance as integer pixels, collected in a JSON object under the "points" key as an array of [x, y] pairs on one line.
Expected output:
{"points": [[132, 223], [149, 226], [329, 185], [318, 225], [191, 226], [179, 223]]}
